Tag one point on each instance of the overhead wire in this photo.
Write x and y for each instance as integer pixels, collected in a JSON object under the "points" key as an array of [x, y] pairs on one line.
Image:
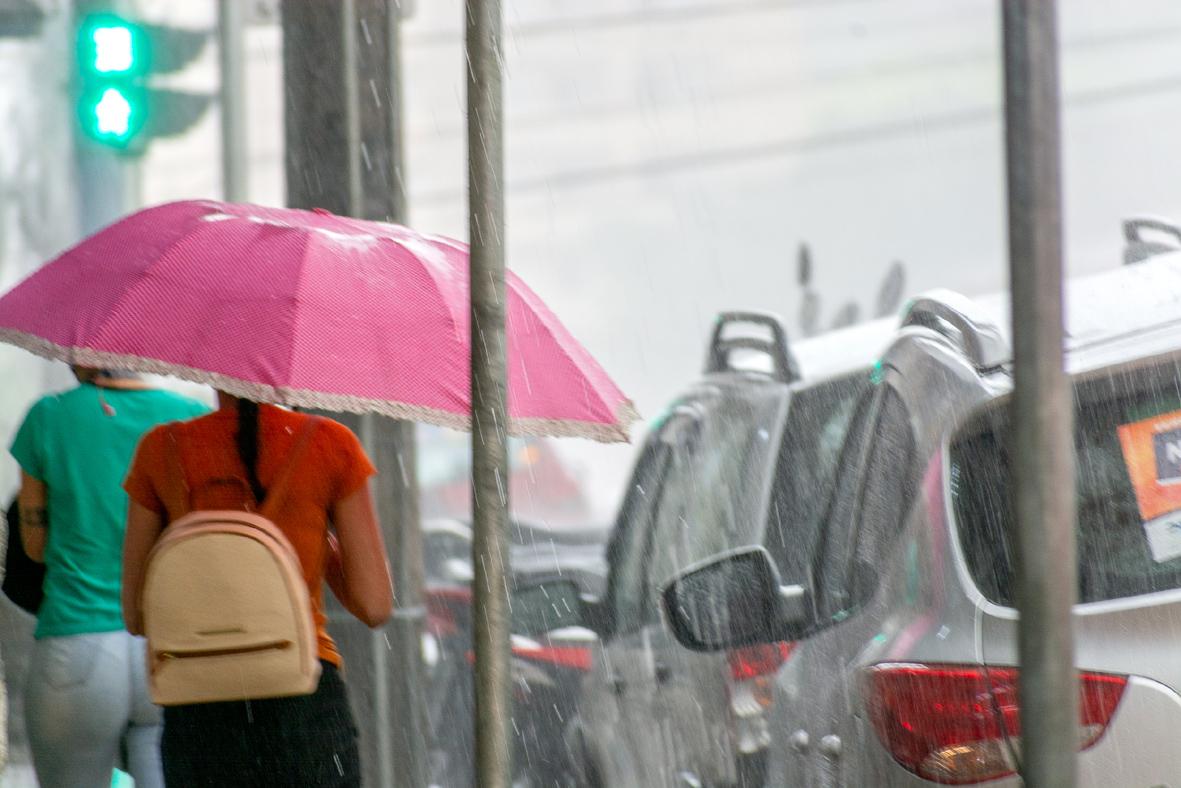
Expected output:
{"points": [[577, 178]]}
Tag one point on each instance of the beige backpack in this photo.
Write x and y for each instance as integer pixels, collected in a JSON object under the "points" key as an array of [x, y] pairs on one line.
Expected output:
{"points": [[226, 609]]}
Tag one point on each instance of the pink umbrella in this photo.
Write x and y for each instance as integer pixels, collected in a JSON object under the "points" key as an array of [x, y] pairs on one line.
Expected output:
{"points": [[304, 308]]}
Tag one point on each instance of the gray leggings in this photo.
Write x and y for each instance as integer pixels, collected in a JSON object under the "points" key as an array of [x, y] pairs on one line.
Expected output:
{"points": [[87, 710]]}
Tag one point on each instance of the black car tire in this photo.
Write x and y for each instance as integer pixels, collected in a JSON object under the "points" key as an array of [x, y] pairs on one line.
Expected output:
{"points": [[752, 770]]}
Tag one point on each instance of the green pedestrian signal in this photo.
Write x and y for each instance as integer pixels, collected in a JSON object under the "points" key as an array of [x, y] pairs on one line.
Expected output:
{"points": [[112, 114], [112, 55], [112, 47], [117, 106]]}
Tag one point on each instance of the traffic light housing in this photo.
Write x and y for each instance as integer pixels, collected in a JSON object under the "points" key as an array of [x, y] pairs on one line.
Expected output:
{"points": [[117, 105], [112, 57]]}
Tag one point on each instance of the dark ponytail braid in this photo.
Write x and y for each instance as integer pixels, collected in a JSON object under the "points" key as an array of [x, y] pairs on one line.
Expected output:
{"points": [[248, 445]]}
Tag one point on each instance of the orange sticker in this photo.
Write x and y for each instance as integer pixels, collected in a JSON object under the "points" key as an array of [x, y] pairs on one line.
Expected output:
{"points": [[1152, 453]]}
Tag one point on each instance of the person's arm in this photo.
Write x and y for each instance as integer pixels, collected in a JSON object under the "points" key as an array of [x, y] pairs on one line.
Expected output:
{"points": [[357, 571], [34, 516], [143, 528]]}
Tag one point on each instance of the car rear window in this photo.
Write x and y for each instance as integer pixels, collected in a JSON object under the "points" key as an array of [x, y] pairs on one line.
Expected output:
{"points": [[818, 419], [1127, 435]]}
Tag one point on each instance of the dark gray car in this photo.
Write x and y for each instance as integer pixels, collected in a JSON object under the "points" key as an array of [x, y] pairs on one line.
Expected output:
{"points": [[740, 449]]}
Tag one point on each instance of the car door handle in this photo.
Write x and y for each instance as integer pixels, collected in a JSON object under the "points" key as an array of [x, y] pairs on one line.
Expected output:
{"points": [[618, 685], [662, 673]]}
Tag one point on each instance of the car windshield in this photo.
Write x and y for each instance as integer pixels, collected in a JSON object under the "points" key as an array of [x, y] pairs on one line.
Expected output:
{"points": [[1127, 436]]}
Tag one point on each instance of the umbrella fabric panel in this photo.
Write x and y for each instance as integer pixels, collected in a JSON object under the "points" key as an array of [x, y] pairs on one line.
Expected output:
{"points": [[215, 300], [385, 322], [82, 294], [551, 375]]}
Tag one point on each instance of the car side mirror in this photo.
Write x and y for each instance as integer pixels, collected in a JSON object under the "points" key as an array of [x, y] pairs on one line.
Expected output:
{"points": [[545, 605], [734, 599]]}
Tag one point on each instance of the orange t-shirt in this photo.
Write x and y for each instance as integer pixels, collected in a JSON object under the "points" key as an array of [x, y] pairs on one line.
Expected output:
{"points": [[333, 466]]}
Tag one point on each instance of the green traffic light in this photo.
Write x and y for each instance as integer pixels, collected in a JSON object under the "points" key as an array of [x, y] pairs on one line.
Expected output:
{"points": [[118, 105], [114, 52], [112, 57], [111, 47], [112, 114]]}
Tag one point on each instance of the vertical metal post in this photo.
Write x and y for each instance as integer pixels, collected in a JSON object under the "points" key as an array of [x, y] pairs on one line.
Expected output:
{"points": [[485, 142], [352, 105], [1043, 455], [231, 54], [399, 675], [343, 152]]}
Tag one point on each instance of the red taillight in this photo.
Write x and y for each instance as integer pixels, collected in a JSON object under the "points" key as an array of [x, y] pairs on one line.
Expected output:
{"points": [[949, 723], [443, 605], [763, 659], [577, 657], [752, 692]]}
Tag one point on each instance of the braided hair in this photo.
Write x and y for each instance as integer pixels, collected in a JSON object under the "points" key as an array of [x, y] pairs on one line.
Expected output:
{"points": [[247, 440]]}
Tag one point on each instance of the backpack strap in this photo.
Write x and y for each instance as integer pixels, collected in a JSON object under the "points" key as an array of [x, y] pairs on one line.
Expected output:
{"points": [[176, 487], [278, 491]]}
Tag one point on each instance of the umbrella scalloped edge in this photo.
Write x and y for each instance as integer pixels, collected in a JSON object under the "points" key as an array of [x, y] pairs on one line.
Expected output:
{"points": [[618, 432]]}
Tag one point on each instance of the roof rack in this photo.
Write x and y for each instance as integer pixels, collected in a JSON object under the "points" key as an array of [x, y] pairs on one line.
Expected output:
{"points": [[961, 321], [776, 347], [1140, 248]]}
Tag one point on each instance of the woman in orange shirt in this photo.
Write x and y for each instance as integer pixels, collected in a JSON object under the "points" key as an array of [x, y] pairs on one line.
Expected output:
{"points": [[306, 740]]}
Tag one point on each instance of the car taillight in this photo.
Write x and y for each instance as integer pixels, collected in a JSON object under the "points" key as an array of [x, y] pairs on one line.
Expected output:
{"points": [[950, 723], [576, 657], [752, 688], [763, 659], [442, 607]]}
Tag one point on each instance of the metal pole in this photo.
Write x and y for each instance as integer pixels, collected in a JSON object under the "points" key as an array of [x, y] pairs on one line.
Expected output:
{"points": [[394, 12], [374, 122], [343, 153], [374, 137], [231, 53], [485, 142], [352, 106], [1043, 456], [396, 444]]}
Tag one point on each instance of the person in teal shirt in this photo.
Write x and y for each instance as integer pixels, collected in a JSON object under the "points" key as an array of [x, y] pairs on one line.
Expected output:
{"points": [[86, 697]]}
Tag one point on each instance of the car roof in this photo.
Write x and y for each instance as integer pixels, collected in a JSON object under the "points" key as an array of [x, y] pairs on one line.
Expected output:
{"points": [[844, 350], [1114, 316], [1129, 313], [820, 358]]}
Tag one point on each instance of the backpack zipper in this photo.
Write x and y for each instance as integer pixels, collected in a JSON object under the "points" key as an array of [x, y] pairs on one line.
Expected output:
{"points": [[274, 645]]}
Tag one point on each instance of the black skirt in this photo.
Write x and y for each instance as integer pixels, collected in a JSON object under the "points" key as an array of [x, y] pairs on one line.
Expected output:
{"points": [[309, 740]]}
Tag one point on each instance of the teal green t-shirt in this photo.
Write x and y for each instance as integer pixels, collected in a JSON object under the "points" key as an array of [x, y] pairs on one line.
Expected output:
{"points": [[80, 443]]}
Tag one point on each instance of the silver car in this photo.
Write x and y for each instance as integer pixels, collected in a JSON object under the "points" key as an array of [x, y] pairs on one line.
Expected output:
{"points": [[904, 622]]}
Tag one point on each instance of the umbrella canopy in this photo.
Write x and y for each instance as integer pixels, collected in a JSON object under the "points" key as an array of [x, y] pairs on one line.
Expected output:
{"points": [[304, 308]]}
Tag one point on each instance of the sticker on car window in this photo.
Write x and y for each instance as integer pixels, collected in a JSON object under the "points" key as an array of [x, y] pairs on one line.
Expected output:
{"points": [[1152, 454]]}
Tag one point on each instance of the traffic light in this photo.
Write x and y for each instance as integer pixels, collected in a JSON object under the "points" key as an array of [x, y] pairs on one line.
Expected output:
{"points": [[117, 105], [112, 57]]}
